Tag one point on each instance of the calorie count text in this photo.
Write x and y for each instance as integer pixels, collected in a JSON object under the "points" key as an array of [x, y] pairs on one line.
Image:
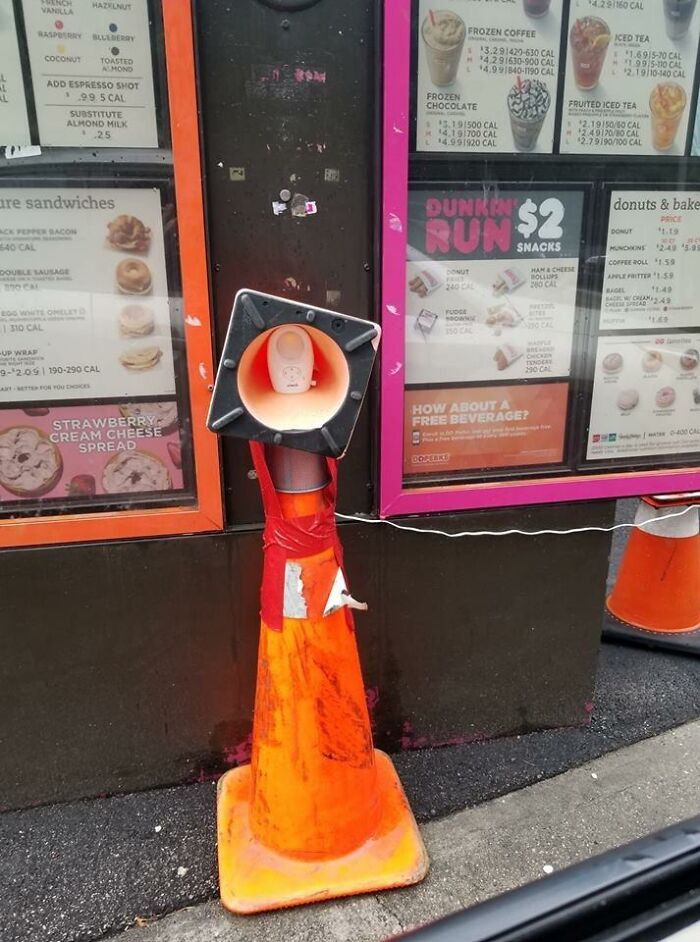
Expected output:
{"points": [[72, 370], [607, 132], [648, 63], [616, 4], [460, 132]]}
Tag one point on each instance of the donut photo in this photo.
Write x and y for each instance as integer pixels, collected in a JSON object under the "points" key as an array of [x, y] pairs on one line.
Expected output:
{"points": [[613, 363], [128, 234], [690, 360], [665, 397], [30, 464], [627, 400], [133, 277], [652, 361], [134, 472]]}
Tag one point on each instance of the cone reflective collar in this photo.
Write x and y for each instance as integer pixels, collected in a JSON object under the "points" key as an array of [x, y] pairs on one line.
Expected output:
{"points": [[333, 404]]}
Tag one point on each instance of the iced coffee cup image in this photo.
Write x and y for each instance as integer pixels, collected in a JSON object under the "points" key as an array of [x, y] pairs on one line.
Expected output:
{"points": [[678, 14], [536, 8], [666, 105], [528, 104], [443, 37], [589, 40]]}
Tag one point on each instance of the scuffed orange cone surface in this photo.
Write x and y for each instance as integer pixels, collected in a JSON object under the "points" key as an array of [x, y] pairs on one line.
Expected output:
{"points": [[319, 813]]}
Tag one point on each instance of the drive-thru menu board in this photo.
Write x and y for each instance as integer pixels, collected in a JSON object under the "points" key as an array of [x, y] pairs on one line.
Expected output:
{"points": [[487, 75], [541, 323], [92, 72], [14, 125], [87, 377], [646, 388], [491, 285], [84, 310], [630, 73]]}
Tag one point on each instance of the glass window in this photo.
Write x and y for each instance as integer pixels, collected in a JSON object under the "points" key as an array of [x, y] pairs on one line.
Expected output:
{"points": [[539, 260], [95, 403]]}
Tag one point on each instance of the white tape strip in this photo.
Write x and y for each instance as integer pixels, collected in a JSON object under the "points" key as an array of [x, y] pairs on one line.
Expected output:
{"points": [[456, 536], [654, 520]]}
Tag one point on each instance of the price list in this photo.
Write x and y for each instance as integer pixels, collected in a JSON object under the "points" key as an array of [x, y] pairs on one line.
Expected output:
{"points": [[630, 73], [650, 278], [487, 75], [646, 385], [92, 73]]}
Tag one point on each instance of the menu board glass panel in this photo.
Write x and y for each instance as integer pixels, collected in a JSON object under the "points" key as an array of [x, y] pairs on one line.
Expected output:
{"points": [[541, 323], [93, 392], [87, 76], [491, 287], [92, 73], [85, 281], [104, 380], [630, 72], [487, 75], [646, 382]]}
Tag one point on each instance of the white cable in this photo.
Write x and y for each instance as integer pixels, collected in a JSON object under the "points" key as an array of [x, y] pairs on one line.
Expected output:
{"points": [[454, 536]]}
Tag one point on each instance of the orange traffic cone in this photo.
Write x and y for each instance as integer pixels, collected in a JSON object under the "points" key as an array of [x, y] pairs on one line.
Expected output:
{"points": [[658, 585], [319, 812]]}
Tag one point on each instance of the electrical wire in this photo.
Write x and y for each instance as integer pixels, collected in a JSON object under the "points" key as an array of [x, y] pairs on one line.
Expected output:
{"points": [[454, 536]]}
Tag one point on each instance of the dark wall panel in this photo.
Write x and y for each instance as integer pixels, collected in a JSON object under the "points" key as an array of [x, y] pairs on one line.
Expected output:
{"points": [[287, 104], [131, 665]]}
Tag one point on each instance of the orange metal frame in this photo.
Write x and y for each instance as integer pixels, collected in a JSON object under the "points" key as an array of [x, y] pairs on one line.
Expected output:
{"points": [[208, 512]]}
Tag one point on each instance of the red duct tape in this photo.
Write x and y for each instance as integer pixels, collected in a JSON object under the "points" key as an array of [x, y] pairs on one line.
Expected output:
{"points": [[294, 538]]}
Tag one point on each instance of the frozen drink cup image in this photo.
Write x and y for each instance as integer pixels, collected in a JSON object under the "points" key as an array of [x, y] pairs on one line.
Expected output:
{"points": [[678, 14], [667, 104], [536, 7], [528, 104], [589, 40], [443, 35]]}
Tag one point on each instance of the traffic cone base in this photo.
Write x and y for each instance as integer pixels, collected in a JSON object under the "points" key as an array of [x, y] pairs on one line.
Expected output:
{"points": [[632, 620], [254, 878]]}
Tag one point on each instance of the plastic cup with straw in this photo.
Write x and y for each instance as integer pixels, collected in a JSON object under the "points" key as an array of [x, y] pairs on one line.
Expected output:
{"points": [[443, 34]]}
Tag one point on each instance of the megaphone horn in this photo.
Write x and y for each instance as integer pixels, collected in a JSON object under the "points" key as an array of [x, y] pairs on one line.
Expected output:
{"points": [[301, 387]]}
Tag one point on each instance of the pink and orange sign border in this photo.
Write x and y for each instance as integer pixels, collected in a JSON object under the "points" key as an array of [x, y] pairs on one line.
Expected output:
{"points": [[395, 499]]}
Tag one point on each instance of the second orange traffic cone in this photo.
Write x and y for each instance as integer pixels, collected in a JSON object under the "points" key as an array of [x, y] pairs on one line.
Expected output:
{"points": [[658, 585]]}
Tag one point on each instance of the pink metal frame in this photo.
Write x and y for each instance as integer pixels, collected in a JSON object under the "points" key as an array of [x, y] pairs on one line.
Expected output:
{"points": [[394, 498]]}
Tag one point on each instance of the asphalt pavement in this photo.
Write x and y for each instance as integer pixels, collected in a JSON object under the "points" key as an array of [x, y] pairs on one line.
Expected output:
{"points": [[481, 852], [80, 871]]}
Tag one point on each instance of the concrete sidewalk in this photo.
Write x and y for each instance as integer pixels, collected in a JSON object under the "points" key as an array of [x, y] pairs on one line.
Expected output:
{"points": [[486, 850]]}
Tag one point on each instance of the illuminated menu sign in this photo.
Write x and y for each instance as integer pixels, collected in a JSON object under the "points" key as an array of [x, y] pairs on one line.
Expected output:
{"points": [[92, 72], [491, 286], [646, 389], [630, 72], [487, 75]]}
